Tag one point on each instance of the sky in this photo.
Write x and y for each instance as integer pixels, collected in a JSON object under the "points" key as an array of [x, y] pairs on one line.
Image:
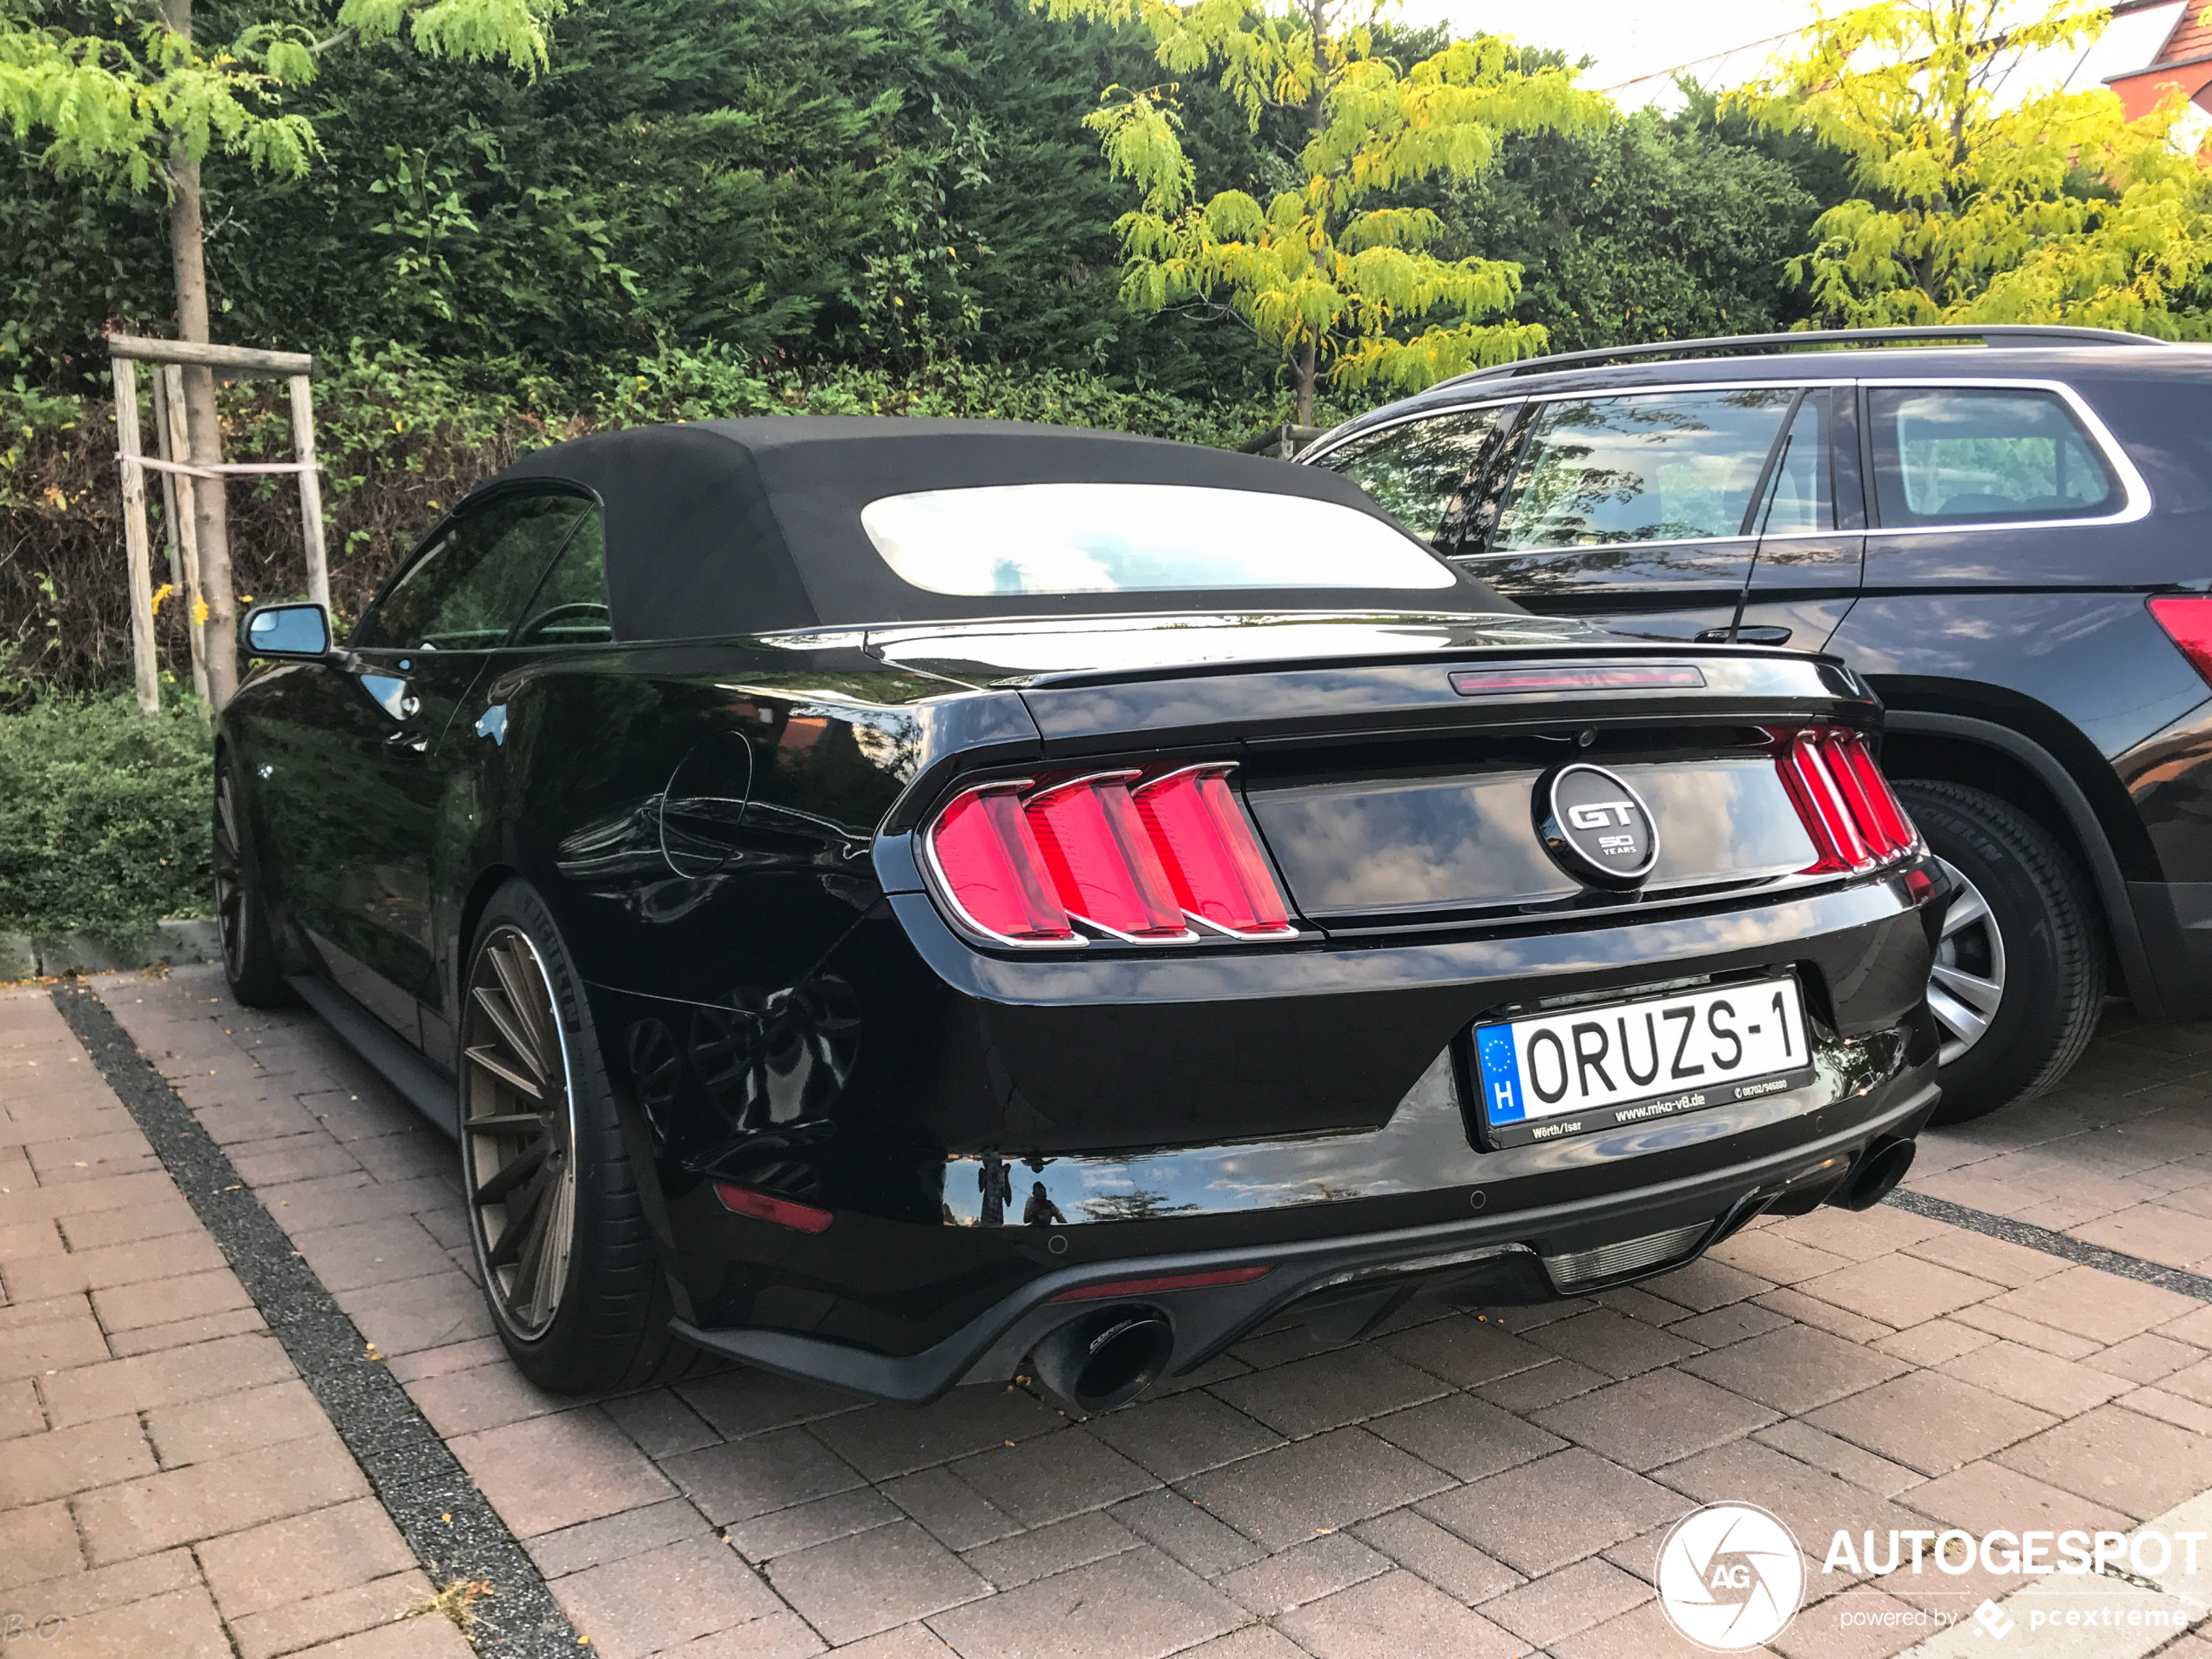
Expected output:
{"points": [[1633, 44]]}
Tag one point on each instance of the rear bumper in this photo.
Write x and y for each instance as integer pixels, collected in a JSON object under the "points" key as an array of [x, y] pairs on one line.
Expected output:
{"points": [[1508, 1258], [2175, 921]]}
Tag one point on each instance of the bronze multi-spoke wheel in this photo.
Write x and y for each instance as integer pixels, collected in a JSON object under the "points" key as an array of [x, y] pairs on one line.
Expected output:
{"points": [[249, 959], [576, 1285], [517, 1132]]}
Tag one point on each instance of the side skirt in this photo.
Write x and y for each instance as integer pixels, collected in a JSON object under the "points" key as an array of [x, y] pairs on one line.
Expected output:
{"points": [[428, 1089]]}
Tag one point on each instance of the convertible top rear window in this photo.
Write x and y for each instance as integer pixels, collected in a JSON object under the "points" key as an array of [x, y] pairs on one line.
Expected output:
{"points": [[1047, 538]]}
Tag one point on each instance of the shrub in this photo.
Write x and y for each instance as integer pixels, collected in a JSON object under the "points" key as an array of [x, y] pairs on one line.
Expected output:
{"points": [[103, 815]]}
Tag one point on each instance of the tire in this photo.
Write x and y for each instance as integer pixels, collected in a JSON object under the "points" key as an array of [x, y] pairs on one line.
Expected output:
{"points": [[2025, 925], [250, 962], [576, 1287]]}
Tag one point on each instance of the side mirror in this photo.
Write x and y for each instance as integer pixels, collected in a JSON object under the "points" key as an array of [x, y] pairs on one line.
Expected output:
{"points": [[294, 632]]}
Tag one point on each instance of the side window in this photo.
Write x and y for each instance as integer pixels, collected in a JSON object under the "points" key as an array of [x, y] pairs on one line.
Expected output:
{"points": [[1665, 467], [1800, 491], [1970, 454], [1417, 471], [466, 593], [570, 607]]}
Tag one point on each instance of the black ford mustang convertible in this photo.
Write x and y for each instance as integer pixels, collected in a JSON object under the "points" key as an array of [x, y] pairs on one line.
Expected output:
{"points": [[902, 902]]}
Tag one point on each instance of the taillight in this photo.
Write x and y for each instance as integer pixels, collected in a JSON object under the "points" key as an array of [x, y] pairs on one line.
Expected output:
{"points": [[1036, 867], [1854, 817], [1211, 857], [2188, 622]]}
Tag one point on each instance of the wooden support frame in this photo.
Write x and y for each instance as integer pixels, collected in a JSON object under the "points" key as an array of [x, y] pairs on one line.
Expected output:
{"points": [[180, 469]]}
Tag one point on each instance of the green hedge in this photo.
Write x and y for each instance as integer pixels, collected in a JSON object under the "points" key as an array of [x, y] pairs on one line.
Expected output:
{"points": [[104, 816]]}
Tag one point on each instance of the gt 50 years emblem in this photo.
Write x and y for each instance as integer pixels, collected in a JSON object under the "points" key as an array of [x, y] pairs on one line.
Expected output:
{"points": [[1595, 827]]}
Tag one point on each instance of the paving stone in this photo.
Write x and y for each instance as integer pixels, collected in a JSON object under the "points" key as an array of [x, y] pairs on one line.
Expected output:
{"points": [[423, 1638], [1531, 1391], [885, 1441], [273, 1414], [185, 1333], [616, 1537], [1135, 1605], [1446, 1561], [742, 1401], [1538, 1518], [2059, 1387], [1655, 1419], [1332, 1480], [1929, 1421], [1899, 1290], [1998, 1322], [1200, 1540], [1465, 1352], [1766, 1253], [548, 1472], [1706, 1284], [956, 1513], [661, 1423], [803, 1525], [1329, 1391], [744, 1479], [1181, 1435], [181, 1624], [2146, 1359], [1391, 1616], [2095, 1306], [2112, 1455], [1794, 1368], [372, 1252], [224, 1495], [63, 1343], [20, 1411], [1880, 1625], [1815, 1502], [1933, 1342], [1985, 1496], [1840, 1457], [1077, 1541], [1794, 1304], [1304, 1573], [1608, 1341], [1052, 1476], [61, 1461], [1737, 1322], [307, 1624], [303, 1556], [873, 1581], [482, 1396], [1996, 1260], [646, 1604], [408, 1315], [169, 1378], [37, 1542], [1573, 1598], [1465, 1436]]}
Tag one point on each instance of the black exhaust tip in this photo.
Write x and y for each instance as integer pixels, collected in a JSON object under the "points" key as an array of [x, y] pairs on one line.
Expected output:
{"points": [[1876, 1176], [1098, 1362]]}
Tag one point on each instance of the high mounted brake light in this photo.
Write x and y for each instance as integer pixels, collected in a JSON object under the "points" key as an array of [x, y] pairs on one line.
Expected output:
{"points": [[1111, 855], [1847, 807]]}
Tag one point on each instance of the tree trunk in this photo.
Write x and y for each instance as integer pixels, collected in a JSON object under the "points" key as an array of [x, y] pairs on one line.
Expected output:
{"points": [[1304, 369], [187, 255]]}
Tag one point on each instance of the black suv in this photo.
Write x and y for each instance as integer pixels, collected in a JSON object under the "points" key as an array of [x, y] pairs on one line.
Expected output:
{"points": [[2007, 531]]}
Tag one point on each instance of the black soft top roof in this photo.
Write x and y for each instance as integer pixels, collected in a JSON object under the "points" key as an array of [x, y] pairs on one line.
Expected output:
{"points": [[741, 527]]}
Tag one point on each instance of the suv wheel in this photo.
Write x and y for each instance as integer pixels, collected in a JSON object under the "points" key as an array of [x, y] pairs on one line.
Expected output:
{"points": [[2019, 975]]}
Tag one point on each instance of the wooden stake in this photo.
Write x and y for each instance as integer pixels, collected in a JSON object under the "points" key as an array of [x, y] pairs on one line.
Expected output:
{"points": [[303, 451], [177, 446], [136, 542]]}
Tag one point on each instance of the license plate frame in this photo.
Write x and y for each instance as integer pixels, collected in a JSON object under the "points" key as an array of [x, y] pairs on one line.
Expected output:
{"points": [[1691, 1085]]}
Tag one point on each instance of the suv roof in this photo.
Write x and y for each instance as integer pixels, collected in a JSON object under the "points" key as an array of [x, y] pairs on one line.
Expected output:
{"points": [[1993, 336]]}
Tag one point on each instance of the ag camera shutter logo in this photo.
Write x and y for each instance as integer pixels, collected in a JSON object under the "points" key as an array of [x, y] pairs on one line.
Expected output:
{"points": [[1732, 1577], [1595, 827]]}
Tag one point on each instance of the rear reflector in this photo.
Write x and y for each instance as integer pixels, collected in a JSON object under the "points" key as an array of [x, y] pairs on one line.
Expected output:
{"points": [[2188, 622], [1492, 682], [1165, 1282], [1123, 859], [743, 1201], [1847, 807]]}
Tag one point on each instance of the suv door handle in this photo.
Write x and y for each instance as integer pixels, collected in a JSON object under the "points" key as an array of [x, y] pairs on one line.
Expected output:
{"points": [[1745, 637]]}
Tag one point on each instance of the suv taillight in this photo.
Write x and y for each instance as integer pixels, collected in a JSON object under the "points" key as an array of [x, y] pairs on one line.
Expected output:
{"points": [[2188, 622], [1854, 817], [1114, 855]]}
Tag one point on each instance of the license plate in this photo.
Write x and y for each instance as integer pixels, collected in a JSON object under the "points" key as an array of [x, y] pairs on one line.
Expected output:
{"points": [[1627, 1062]]}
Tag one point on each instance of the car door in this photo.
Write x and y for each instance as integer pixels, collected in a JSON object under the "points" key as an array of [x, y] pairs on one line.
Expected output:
{"points": [[391, 756], [1661, 512]]}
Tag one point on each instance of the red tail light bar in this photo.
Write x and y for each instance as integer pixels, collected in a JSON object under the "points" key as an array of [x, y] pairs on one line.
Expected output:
{"points": [[1854, 817], [1114, 855]]}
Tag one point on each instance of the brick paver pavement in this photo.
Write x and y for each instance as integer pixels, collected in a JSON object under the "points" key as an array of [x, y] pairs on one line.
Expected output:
{"points": [[1457, 1484]]}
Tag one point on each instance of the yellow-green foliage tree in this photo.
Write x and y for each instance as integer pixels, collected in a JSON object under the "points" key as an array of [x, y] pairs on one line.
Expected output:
{"points": [[1979, 204], [140, 103], [1329, 272]]}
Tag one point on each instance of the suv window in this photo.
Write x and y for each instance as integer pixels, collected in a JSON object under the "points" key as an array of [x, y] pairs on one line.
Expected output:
{"points": [[1801, 494], [1677, 465], [1418, 470], [570, 607], [465, 593], [1969, 454]]}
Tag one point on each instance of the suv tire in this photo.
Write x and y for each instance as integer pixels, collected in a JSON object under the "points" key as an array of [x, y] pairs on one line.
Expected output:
{"points": [[2024, 923]]}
